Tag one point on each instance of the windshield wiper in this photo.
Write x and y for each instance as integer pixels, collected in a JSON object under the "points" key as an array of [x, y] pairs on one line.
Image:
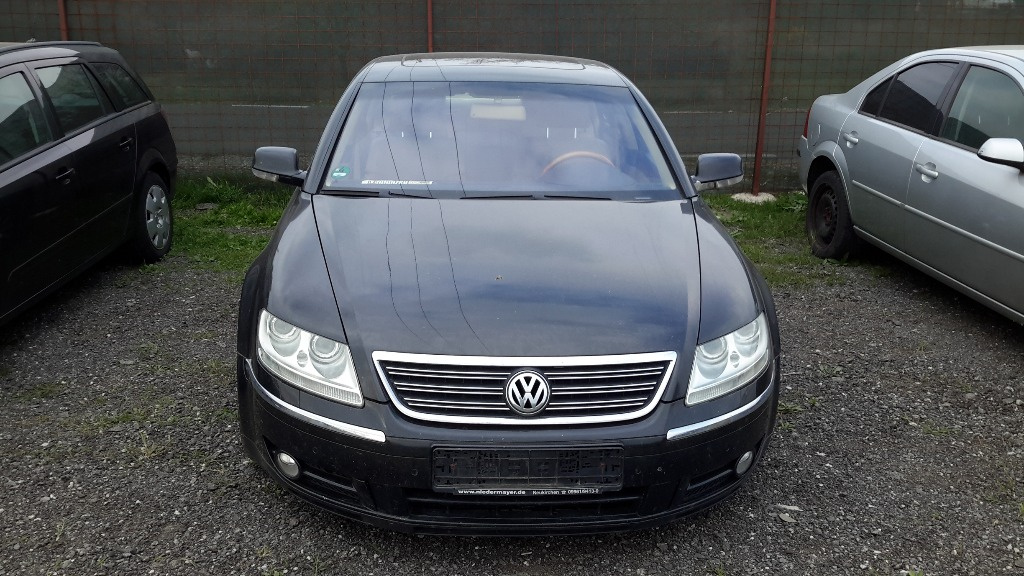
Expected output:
{"points": [[502, 196], [404, 194], [534, 196], [373, 193], [574, 197], [352, 193]]}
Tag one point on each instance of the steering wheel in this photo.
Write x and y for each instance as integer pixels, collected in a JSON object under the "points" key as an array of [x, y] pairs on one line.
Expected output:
{"points": [[577, 154]]}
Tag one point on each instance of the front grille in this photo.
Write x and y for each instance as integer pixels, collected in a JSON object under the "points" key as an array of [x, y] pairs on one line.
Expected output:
{"points": [[471, 389]]}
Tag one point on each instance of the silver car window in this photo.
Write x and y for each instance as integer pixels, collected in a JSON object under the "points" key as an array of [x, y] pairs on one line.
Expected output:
{"points": [[989, 104], [499, 139]]}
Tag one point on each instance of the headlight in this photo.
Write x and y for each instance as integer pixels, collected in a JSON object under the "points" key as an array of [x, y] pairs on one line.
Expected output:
{"points": [[730, 362], [307, 361]]}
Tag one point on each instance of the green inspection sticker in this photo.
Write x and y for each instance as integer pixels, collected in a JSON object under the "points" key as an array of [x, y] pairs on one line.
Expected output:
{"points": [[340, 172]]}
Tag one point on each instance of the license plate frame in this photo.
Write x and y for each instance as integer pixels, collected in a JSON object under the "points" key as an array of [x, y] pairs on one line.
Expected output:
{"points": [[518, 471]]}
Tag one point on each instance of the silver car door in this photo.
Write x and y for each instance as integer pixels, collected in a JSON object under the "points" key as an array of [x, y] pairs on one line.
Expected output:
{"points": [[963, 213], [881, 141]]}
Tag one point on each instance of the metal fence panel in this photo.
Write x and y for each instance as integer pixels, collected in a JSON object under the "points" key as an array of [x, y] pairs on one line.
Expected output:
{"points": [[237, 74]]}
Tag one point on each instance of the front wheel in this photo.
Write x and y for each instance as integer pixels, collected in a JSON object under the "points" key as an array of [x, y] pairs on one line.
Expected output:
{"points": [[829, 226], [153, 231]]}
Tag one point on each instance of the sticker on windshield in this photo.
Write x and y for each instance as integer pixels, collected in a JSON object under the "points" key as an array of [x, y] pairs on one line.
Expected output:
{"points": [[341, 172], [399, 182]]}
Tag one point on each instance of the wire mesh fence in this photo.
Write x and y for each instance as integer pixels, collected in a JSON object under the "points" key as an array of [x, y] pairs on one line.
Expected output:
{"points": [[237, 74]]}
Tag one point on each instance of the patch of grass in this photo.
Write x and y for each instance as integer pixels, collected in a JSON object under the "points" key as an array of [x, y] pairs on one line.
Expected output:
{"points": [[1003, 490], [789, 408], [134, 415], [932, 429], [223, 223], [772, 236], [148, 448], [42, 391]]}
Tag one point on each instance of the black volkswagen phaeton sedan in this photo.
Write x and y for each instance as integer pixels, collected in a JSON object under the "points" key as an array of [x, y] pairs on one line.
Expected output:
{"points": [[496, 305]]}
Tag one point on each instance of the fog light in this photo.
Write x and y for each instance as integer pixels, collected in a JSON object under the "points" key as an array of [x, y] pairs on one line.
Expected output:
{"points": [[287, 465], [743, 464]]}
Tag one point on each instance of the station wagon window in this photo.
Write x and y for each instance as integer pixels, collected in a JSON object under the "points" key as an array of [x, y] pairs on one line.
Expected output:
{"points": [[73, 96], [913, 98], [989, 104], [499, 139], [120, 86], [22, 124]]}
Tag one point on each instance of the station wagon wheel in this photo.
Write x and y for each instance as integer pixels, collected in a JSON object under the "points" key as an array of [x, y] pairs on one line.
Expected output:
{"points": [[829, 226], [577, 154], [153, 219]]}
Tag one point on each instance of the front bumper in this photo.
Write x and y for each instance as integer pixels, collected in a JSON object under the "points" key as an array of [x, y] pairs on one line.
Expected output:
{"points": [[385, 476]]}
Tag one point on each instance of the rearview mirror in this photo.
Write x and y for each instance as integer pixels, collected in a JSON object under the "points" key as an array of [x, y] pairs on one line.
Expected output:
{"points": [[1005, 151], [278, 164], [717, 171]]}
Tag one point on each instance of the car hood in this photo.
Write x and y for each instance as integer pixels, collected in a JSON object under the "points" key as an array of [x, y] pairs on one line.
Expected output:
{"points": [[512, 277]]}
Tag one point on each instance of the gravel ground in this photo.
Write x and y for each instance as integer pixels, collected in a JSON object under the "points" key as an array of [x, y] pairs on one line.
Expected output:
{"points": [[899, 449]]}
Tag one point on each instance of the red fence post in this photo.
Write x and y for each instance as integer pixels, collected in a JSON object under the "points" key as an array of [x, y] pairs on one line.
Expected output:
{"points": [[430, 25], [766, 82], [62, 10]]}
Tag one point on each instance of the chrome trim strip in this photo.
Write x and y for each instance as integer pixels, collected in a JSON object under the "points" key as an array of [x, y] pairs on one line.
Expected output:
{"points": [[524, 361], [724, 419], [878, 194], [309, 417], [972, 237]]}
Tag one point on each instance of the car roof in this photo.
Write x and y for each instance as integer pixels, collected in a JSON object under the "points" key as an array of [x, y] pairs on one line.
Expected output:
{"points": [[13, 52], [491, 67], [1012, 55], [1015, 52]]}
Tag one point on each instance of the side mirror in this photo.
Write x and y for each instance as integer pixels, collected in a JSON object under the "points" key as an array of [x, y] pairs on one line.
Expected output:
{"points": [[278, 164], [1005, 151], [717, 171]]}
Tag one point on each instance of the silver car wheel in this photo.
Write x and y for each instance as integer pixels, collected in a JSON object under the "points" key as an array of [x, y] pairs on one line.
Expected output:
{"points": [[158, 217]]}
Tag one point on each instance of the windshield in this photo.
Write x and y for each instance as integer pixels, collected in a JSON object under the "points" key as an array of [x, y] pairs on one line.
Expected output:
{"points": [[497, 139]]}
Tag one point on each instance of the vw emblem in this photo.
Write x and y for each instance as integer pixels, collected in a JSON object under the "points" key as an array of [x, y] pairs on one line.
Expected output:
{"points": [[527, 392]]}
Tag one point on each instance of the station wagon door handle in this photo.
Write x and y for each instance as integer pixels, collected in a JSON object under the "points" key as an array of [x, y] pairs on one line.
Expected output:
{"points": [[65, 176], [126, 144], [927, 170], [851, 138]]}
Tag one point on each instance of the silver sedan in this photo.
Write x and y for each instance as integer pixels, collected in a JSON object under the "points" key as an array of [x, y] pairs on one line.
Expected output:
{"points": [[923, 160]]}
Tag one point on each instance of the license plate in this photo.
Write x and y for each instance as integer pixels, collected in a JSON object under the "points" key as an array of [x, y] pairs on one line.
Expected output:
{"points": [[528, 472]]}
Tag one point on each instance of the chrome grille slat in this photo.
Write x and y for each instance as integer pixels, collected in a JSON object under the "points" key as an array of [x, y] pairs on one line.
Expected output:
{"points": [[605, 405], [446, 389], [585, 403], [452, 404], [600, 389], [578, 375], [457, 375], [471, 389]]}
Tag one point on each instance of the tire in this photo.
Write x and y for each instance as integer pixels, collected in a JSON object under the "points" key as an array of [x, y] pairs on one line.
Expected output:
{"points": [[153, 220], [829, 226]]}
